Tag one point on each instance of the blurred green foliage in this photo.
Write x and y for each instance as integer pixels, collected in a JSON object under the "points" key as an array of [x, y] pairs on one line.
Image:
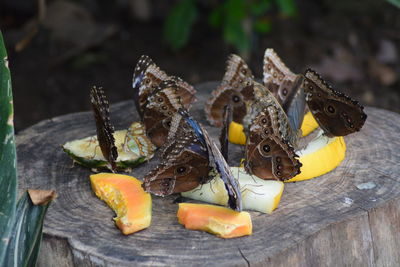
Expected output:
{"points": [[238, 20], [394, 2]]}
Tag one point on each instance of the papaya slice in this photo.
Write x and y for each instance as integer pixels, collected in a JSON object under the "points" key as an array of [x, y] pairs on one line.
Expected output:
{"points": [[125, 195], [220, 221]]}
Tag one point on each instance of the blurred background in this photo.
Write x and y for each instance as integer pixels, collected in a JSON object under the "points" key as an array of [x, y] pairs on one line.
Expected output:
{"points": [[58, 49]]}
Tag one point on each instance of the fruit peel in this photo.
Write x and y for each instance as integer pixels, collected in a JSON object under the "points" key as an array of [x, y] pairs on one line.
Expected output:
{"points": [[220, 221], [125, 195]]}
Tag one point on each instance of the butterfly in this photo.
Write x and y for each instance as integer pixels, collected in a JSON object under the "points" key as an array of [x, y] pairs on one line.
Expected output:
{"points": [[104, 128], [161, 105], [336, 113], [137, 142], [285, 86], [147, 76], [189, 158], [269, 151], [234, 90]]}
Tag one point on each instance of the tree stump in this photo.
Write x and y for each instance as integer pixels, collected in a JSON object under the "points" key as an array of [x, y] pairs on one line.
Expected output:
{"points": [[348, 217]]}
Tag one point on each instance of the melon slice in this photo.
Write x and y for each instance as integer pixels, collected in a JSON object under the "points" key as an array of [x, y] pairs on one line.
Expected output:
{"points": [[125, 195], [309, 124], [322, 155], [257, 194], [220, 221], [87, 151]]}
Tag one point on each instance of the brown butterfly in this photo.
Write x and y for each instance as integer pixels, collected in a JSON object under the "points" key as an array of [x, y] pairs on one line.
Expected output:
{"points": [[161, 106], [270, 139], [104, 128], [285, 86], [147, 77], [234, 90], [188, 158], [336, 113]]}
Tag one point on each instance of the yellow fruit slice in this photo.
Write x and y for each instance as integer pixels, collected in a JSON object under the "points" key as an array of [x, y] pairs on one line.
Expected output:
{"points": [[125, 195], [309, 124], [236, 134], [257, 194], [322, 155], [220, 221]]}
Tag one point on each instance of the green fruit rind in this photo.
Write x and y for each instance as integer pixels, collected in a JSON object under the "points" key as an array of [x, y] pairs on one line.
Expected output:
{"points": [[86, 152]]}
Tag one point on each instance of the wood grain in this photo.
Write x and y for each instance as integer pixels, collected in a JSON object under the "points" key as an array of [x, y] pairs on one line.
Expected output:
{"points": [[326, 221]]}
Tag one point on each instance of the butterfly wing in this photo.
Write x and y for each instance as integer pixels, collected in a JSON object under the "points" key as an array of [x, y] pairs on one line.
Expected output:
{"points": [[104, 128], [161, 106], [268, 154], [277, 77], [148, 76], [223, 137], [295, 104], [217, 161], [336, 113], [233, 90], [185, 162]]}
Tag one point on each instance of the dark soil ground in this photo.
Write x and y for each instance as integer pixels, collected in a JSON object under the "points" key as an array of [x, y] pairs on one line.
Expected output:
{"points": [[356, 46]]}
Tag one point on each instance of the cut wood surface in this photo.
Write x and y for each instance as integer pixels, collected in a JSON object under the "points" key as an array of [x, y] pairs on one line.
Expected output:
{"points": [[348, 217]]}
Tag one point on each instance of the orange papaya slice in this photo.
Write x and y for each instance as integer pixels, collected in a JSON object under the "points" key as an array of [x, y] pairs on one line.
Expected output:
{"points": [[220, 221], [125, 195]]}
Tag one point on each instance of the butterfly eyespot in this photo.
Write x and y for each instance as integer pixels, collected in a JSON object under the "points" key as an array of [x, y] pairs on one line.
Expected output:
{"points": [[284, 92], [348, 120], [280, 78], [269, 66], [170, 113], [278, 159], [266, 132], [310, 87], [266, 148], [244, 71], [351, 125], [363, 116], [319, 95], [181, 169], [164, 107], [235, 98], [275, 75], [147, 81], [278, 173], [279, 167], [331, 109], [344, 114]]}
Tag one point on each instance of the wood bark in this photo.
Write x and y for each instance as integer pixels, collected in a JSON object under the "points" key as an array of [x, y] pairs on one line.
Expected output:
{"points": [[327, 221]]}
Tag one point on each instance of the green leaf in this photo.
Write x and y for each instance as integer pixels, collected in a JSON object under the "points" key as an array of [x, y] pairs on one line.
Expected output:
{"points": [[235, 10], [287, 7], [179, 23], [260, 7], [235, 35], [8, 171], [26, 233], [394, 2], [262, 26], [216, 17]]}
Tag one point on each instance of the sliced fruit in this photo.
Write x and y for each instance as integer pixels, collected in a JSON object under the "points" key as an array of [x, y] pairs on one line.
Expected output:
{"points": [[220, 221], [309, 124], [87, 152], [236, 134], [257, 194], [321, 155], [125, 195]]}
